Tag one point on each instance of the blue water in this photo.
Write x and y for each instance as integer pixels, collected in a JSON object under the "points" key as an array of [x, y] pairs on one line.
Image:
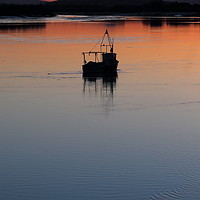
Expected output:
{"points": [[135, 136]]}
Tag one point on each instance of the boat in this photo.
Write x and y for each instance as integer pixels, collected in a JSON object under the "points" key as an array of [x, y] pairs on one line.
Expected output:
{"points": [[104, 61]]}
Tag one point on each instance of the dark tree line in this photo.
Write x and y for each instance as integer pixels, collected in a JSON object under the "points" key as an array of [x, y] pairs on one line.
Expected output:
{"points": [[26, 10], [52, 9]]}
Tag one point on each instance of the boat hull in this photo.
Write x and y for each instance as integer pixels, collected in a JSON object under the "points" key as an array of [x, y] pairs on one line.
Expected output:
{"points": [[100, 68]]}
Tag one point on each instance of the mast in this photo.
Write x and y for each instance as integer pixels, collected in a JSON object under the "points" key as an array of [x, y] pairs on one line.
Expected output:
{"points": [[110, 42]]}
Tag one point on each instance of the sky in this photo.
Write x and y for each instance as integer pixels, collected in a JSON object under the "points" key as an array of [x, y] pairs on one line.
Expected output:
{"points": [[37, 1]]}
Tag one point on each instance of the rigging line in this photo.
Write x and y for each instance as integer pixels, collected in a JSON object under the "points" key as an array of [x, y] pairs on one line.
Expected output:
{"points": [[109, 40], [97, 43], [103, 38]]}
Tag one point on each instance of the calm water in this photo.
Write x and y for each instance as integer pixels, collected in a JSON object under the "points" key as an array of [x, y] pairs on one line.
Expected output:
{"points": [[136, 136]]}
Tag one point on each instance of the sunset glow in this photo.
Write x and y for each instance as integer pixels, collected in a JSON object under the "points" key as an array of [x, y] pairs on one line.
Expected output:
{"points": [[167, 41]]}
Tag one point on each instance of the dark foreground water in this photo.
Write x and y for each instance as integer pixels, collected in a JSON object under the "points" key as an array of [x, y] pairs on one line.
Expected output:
{"points": [[134, 136]]}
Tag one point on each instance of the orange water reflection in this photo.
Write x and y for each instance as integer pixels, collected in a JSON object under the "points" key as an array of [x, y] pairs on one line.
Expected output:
{"points": [[144, 43]]}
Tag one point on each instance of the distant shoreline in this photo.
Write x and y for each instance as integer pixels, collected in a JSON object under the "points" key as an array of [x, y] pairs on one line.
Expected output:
{"points": [[51, 10]]}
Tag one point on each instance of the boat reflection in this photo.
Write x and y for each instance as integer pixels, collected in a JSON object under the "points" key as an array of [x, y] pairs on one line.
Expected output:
{"points": [[101, 88]]}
